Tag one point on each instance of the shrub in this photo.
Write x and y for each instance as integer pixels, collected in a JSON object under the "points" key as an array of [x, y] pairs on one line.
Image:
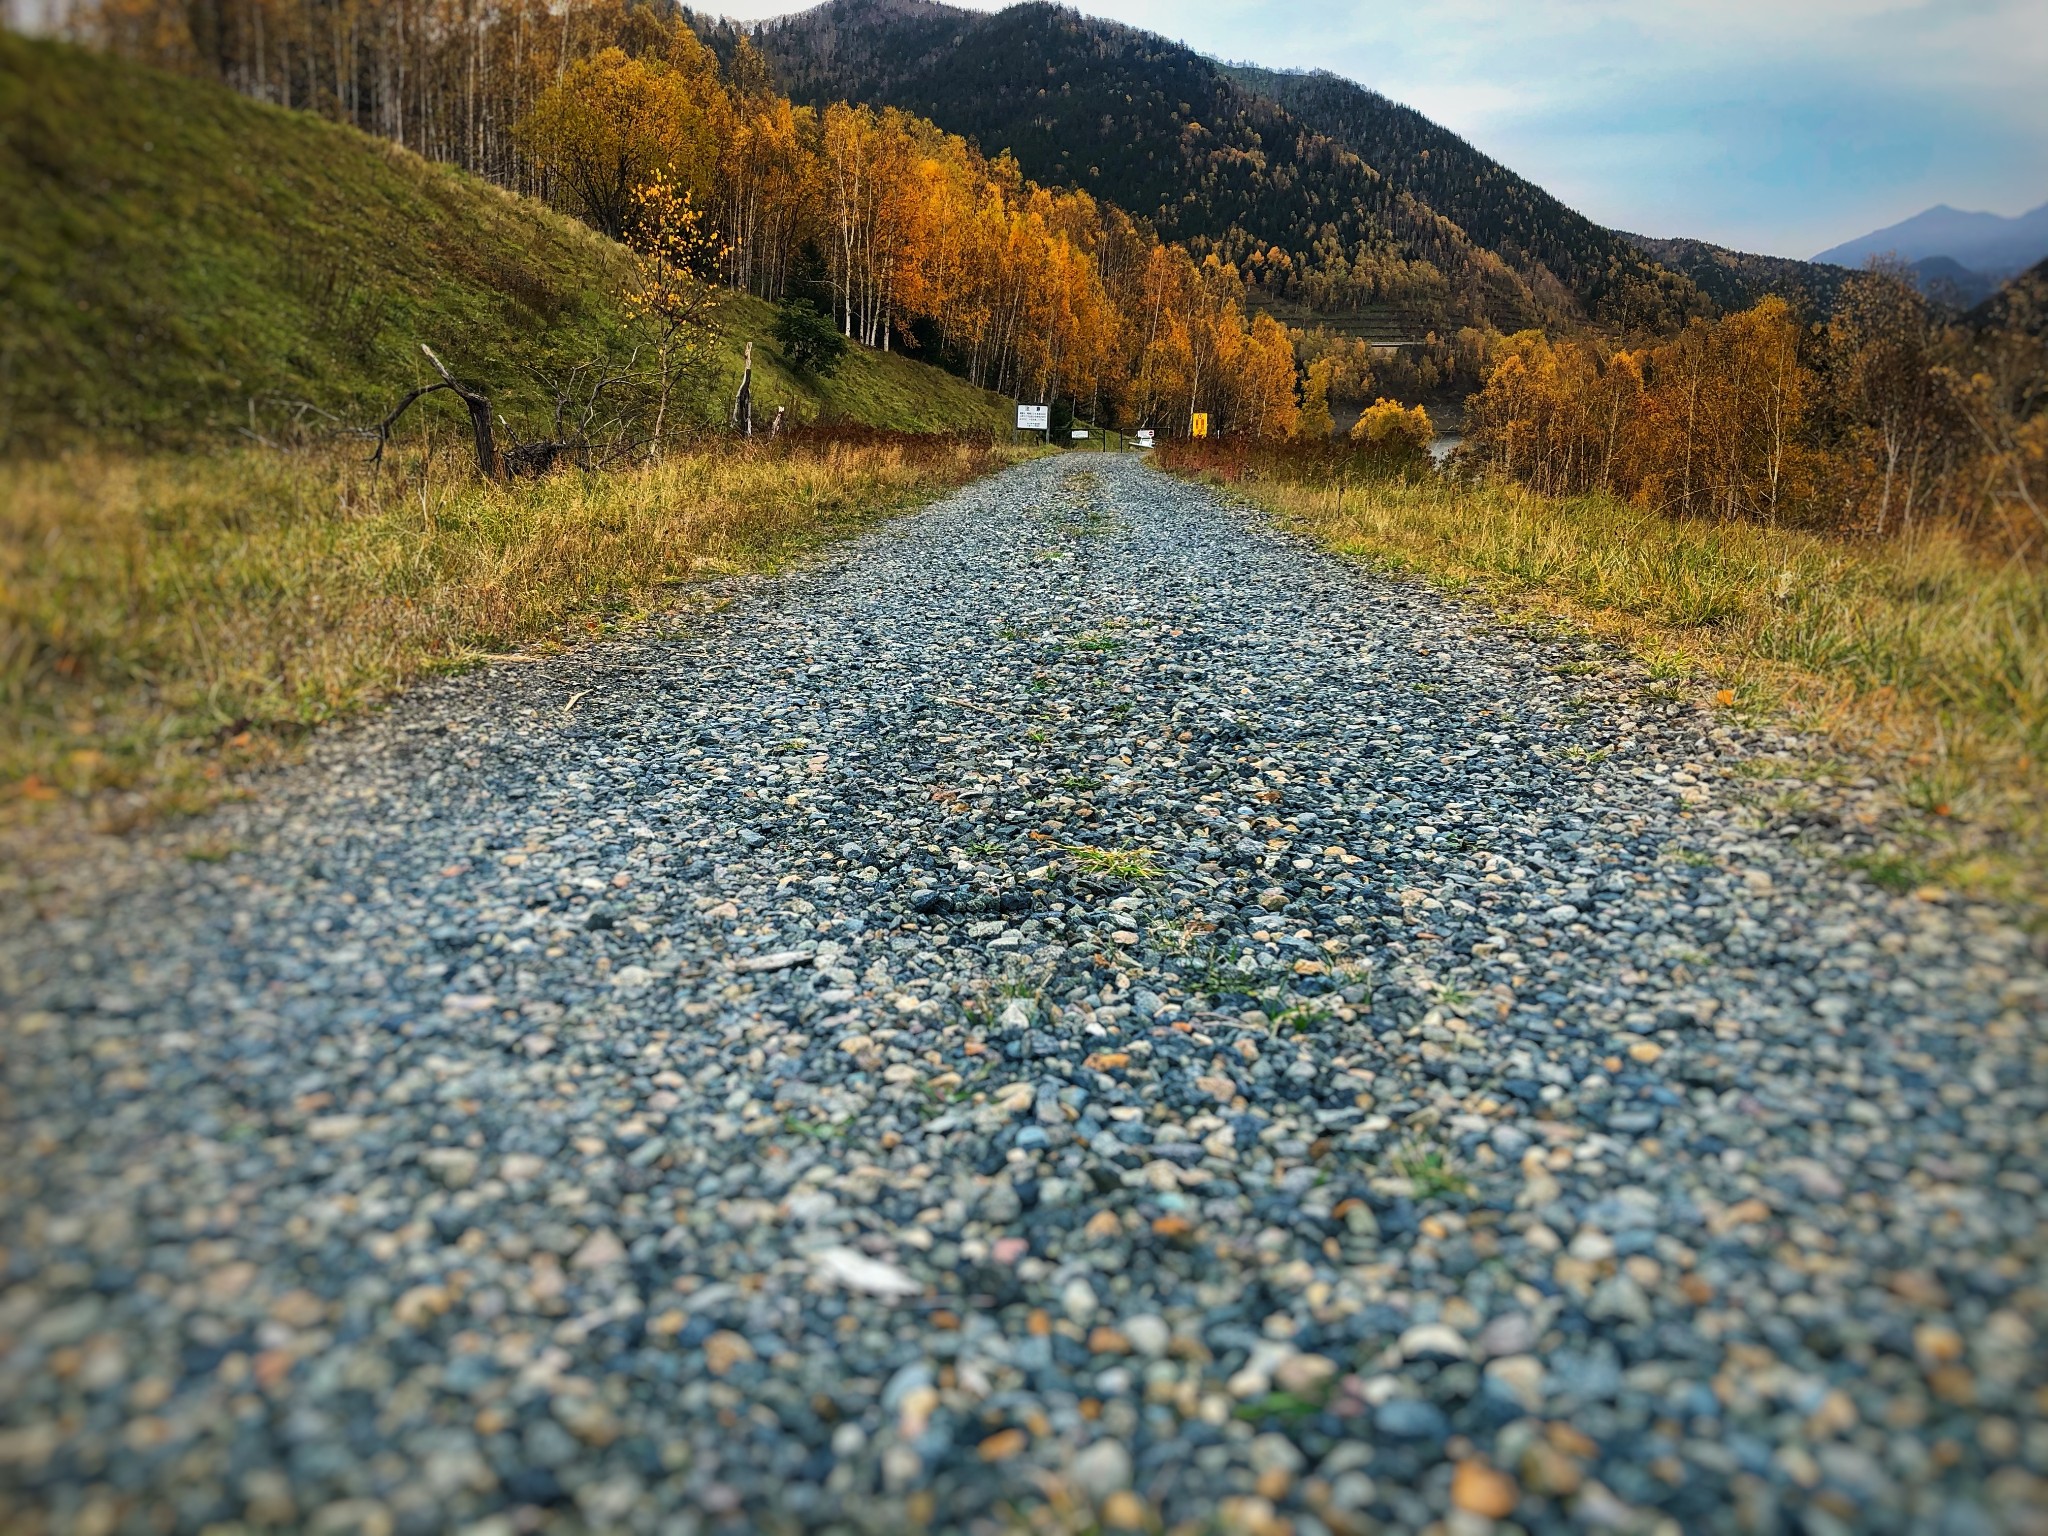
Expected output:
{"points": [[809, 341], [1393, 433]]}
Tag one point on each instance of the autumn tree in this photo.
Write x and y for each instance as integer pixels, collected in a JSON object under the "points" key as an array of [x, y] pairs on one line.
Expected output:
{"points": [[1348, 366], [1538, 418], [1395, 435], [674, 258], [1772, 390], [1262, 381], [611, 127], [1315, 422], [1881, 369], [767, 197]]}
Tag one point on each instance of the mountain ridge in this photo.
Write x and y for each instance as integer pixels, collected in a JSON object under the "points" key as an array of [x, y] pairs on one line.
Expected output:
{"points": [[1737, 279], [1199, 149], [1502, 211]]}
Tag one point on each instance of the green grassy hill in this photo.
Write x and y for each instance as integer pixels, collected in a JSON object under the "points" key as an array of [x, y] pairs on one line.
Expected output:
{"points": [[172, 252]]}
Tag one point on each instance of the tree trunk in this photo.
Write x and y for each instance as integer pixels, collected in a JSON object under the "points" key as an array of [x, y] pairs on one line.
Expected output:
{"points": [[487, 461]]}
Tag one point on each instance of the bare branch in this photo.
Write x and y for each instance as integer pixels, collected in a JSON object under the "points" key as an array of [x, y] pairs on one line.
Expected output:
{"points": [[384, 427]]}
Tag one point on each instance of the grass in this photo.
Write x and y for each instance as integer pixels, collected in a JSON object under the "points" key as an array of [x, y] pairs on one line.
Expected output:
{"points": [[1286, 1407], [179, 263], [1919, 656], [984, 1005], [1431, 1171], [1301, 1018], [1894, 872], [1135, 865], [1223, 972], [164, 617]]}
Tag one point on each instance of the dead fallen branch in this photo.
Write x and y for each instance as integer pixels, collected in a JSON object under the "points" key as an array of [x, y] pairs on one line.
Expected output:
{"points": [[479, 405]]}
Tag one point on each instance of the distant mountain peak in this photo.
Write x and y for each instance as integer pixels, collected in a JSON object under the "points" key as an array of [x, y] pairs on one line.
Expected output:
{"points": [[1989, 244]]}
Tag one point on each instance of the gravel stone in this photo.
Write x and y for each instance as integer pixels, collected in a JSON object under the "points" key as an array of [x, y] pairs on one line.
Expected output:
{"points": [[1074, 997], [1101, 1469]]}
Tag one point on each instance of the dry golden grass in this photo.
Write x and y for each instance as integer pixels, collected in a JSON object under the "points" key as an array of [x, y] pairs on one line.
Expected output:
{"points": [[1919, 658], [165, 618]]}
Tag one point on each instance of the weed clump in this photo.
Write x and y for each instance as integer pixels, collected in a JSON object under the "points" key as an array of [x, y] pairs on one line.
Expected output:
{"points": [[1132, 865]]}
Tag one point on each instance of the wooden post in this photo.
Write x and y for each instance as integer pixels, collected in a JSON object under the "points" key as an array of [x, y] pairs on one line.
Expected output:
{"points": [[743, 404]]}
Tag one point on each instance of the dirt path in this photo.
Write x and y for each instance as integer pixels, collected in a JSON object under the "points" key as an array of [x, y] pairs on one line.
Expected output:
{"points": [[1076, 1010]]}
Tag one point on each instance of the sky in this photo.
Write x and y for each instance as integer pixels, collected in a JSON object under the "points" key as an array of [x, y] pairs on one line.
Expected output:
{"points": [[1780, 126]]}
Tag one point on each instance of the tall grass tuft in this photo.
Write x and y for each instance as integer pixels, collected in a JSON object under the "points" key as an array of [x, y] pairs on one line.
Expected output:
{"points": [[163, 616]]}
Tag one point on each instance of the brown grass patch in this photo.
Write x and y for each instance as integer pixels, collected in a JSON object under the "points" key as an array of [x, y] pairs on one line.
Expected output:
{"points": [[1921, 658], [165, 619]]}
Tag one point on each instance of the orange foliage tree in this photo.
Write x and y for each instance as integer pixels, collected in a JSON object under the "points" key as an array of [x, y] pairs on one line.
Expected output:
{"points": [[916, 239], [1707, 424], [1877, 421]]}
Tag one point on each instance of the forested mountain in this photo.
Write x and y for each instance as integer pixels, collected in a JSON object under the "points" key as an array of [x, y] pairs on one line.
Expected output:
{"points": [[1947, 281], [1215, 159], [1525, 226], [1737, 279], [2021, 306]]}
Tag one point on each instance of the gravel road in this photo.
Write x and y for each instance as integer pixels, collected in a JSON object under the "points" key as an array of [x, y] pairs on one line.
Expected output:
{"points": [[1077, 1012]]}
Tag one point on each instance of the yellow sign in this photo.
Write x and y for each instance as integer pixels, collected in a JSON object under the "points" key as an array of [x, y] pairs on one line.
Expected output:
{"points": [[1198, 424]]}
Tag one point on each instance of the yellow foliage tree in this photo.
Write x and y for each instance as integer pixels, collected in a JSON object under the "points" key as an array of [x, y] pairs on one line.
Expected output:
{"points": [[1315, 422], [674, 258], [1262, 375], [1708, 424], [611, 125], [1395, 433]]}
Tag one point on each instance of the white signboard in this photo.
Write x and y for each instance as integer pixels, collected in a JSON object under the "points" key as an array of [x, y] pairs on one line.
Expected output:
{"points": [[1080, 432], [1034, 418], [1144, 437]]}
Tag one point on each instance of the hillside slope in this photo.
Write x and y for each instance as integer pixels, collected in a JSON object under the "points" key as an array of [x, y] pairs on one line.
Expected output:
{"points": [[1533, 232], [1737, 279], [2020, 306], [178, 261]]}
